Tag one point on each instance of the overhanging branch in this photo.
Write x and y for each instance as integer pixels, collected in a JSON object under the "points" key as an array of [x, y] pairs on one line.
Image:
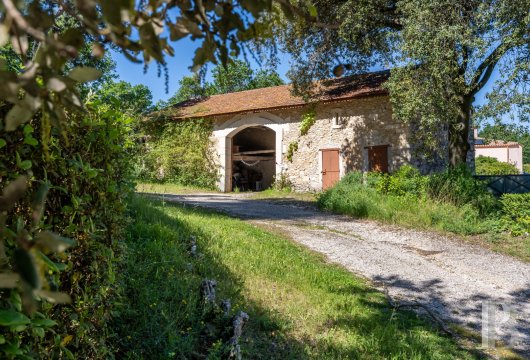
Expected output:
{"points": [[485, 69], [310, 19]]}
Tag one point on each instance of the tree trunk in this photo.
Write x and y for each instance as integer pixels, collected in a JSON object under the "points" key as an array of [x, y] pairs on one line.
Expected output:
{"points": [[459, 145]]}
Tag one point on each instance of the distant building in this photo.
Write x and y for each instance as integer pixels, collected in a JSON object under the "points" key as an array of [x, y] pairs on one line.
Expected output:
{"points": [[506, 151]]}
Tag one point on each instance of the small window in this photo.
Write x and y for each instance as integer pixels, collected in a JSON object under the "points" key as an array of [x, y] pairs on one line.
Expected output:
{"points": [[338, 119]]}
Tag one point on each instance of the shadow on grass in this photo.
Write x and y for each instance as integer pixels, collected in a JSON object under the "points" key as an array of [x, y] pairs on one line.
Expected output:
{"points": [[160, 314], [313, 310]]}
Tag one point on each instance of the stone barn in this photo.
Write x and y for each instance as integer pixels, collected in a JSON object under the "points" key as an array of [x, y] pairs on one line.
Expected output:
{"points": [[257, 134]]}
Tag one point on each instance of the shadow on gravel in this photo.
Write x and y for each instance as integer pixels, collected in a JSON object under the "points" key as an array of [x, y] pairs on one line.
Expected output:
{"points": [[257, 209], [511, 318]]}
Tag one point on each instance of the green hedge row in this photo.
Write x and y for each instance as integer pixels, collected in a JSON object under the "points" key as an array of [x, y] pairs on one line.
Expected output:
{"points": [[86, 165]]}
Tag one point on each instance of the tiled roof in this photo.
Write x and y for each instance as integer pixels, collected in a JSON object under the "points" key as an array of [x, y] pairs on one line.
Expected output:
{"points": [[499, 144], [280, 97]]}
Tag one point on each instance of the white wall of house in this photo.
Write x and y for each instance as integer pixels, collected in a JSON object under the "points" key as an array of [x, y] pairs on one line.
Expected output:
{"points": [[512, 154], [226, 129]]}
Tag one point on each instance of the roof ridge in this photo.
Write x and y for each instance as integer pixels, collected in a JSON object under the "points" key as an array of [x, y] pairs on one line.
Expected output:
{"points": [[280, 96]]}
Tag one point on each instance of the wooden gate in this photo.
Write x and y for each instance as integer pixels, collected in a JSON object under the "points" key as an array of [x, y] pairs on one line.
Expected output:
{"points": [[330, 168]]}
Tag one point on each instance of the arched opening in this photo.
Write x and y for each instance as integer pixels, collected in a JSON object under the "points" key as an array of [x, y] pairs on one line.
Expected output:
{"points": [[253, 156]]}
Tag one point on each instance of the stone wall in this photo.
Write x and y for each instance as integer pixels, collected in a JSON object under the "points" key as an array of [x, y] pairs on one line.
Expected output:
{"points": [[361, 123]]}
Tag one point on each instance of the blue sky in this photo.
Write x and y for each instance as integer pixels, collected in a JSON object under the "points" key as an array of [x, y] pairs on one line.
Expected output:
{"points": [[179, 64]]}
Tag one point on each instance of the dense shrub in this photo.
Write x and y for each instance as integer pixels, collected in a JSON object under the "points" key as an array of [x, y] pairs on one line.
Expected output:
{"points": [[453, 201], [516, 211], [179, 152], [485, 165], [406, 181], [87, 168]]}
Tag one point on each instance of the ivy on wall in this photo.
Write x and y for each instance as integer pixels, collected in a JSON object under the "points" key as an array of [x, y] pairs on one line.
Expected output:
{"points": [[307, 120]]}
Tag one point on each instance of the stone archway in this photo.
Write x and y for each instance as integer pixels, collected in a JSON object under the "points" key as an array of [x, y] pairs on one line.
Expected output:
{"points": [[225, 132], [253, 158]]}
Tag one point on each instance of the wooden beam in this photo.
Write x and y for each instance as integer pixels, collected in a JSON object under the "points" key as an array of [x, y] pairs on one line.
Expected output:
{"points": [[251, 158], [255, 152]]}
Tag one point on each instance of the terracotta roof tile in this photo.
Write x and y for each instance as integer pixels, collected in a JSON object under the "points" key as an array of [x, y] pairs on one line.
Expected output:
{"points": [[499, 144], [279, 97]]}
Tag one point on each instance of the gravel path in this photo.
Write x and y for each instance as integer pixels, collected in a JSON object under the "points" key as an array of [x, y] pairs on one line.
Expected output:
{"points": [[451, 278]]}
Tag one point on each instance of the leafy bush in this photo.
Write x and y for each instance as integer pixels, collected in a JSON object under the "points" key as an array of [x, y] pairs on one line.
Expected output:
{"points": [[406, 181], [516, 211], [526, 168], [485, 165], [86, 167], [180, 152]]}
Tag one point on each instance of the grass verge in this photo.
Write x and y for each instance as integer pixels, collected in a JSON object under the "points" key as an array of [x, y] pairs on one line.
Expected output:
{"points": [[299, 305], [169, 188]]}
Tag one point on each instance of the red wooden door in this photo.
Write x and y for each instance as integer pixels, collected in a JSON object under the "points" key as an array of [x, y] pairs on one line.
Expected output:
{"points": [[378, 158], [330, 168]]}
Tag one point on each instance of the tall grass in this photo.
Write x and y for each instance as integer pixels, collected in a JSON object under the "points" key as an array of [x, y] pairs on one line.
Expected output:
{"points": [[300, 306], [364, 198]]}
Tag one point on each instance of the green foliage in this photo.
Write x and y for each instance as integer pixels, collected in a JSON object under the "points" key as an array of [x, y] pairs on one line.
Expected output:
{"points": [[293, 147], [485, 165], [286, 289], [307, 120], [282, 183], [190, 87], [406, 181], [131, 99], [48, 37], [516, 212], [526, 168], [180, 152], [236, 76], [458, 186], [77, 184], [438, 63], [359, 196]]}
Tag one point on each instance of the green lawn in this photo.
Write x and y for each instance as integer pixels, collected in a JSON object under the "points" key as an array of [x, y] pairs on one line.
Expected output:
{"points": [[299, 305]]}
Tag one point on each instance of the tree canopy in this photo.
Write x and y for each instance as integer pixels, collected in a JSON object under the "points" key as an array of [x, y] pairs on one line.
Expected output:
{"points": [[141, 30], [442, 53], [237, 75], [132, 99]]}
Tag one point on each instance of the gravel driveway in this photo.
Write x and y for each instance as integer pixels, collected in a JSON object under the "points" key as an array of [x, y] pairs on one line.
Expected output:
{"points": [[452, 279]]}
